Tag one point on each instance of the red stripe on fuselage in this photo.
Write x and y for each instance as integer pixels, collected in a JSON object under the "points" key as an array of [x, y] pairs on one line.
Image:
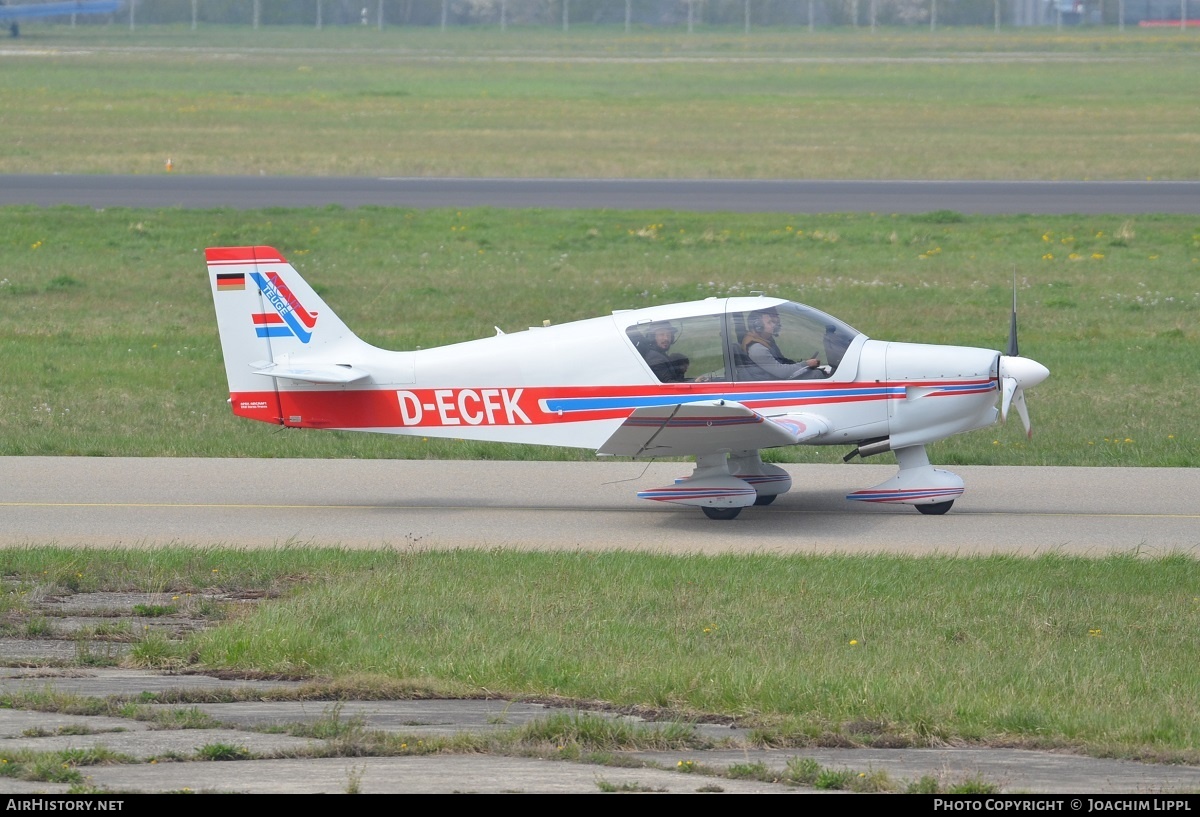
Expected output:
{"points": [[397, 407]]}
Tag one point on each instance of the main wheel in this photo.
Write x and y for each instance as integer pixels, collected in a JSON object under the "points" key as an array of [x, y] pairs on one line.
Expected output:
{"points": [[936, 508], [720, 513], [765, 499]]}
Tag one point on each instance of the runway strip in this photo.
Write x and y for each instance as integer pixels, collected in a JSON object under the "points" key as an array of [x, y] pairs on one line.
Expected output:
{"points": [[589, 505], [725, 195]]}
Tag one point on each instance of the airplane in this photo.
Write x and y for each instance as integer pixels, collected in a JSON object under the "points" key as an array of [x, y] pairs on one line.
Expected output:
{"points": [[55, 9], [704, 379]]}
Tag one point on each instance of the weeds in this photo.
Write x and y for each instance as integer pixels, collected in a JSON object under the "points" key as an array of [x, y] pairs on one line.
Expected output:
{"points": [[38, 627], [177, 718], [626, 787], [156, 651], [222, 751], [354, 778], [56, 766], [599, 732], [154, 610]]}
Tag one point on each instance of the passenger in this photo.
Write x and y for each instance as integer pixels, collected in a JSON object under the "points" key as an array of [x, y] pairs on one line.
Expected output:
{"points": [[656, 349], [763, 356]]}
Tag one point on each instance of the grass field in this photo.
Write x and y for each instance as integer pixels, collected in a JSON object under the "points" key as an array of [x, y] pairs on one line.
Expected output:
{"points": [[110, 346], [962, 104]]}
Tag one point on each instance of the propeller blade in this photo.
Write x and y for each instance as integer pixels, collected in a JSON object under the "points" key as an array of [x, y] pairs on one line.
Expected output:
{"points": [[1010, 388], [1011, 351], [1019, 402], [1017, 373]]}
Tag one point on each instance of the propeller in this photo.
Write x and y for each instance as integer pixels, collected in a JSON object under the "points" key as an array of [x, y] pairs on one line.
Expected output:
{"points": [[1017, 373]]}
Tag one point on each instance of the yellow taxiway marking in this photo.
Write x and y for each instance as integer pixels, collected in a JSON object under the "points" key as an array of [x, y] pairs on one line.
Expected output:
{"points": [[773, 511]]}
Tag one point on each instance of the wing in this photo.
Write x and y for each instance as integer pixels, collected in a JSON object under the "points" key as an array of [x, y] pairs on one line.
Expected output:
{"points": [[707, 427]]}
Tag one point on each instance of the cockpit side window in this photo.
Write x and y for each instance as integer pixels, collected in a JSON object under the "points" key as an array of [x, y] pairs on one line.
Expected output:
{"points": [[781, 342], [684, 350]]}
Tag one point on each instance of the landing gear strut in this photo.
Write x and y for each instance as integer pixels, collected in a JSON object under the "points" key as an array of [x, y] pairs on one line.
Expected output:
{"points": [[917, 483]]}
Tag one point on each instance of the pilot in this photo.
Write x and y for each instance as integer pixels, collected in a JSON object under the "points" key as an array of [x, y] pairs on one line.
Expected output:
{"points": [[656, 349], [764, 360]]}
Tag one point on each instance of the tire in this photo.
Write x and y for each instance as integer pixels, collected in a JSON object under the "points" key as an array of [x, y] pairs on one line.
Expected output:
{"points": [[720, 513], [765, 500], [936, 508]]}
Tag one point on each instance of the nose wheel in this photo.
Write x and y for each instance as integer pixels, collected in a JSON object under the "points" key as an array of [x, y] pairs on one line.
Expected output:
{"points": [[720, 513], [935, 508]]}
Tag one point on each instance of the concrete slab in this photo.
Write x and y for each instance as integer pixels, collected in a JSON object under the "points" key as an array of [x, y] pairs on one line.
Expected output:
{"points": [[27, 723], [415, 717], [160, 744], [430, 774], [105, 682], [1014, 771]]}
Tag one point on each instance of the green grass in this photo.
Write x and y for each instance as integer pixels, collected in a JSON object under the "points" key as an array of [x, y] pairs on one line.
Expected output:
{"points": [[222, 751], [125, 361], [1021, 104], [56, 766], [1096, 655], [1050, 648]]}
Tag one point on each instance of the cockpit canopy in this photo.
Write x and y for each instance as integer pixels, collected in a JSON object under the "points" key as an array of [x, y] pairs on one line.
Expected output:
{"points": [[718, 346]]}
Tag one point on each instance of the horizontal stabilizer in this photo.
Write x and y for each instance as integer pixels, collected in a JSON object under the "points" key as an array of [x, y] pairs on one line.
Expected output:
{"points": [[706, 427], [315, 373]]}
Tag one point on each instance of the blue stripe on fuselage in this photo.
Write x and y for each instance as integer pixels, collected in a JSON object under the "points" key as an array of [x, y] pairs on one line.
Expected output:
{"points": [[570, 404]]}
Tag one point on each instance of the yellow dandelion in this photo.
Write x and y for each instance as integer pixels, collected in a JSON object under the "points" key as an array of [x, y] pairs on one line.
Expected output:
{"points": [[854, 642]]}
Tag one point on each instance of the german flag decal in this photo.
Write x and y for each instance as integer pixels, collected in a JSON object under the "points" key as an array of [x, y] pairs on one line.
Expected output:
{"points": [[229, 281]]}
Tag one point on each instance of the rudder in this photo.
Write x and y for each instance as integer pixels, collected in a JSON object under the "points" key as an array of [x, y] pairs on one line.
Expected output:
{"points": [[269, 318]]}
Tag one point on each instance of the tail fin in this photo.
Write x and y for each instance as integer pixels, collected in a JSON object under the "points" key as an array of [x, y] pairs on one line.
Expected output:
{"points": [[274, 325]]}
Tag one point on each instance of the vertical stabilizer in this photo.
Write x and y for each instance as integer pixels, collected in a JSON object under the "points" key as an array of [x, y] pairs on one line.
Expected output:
{"points": [[269, 318]]}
